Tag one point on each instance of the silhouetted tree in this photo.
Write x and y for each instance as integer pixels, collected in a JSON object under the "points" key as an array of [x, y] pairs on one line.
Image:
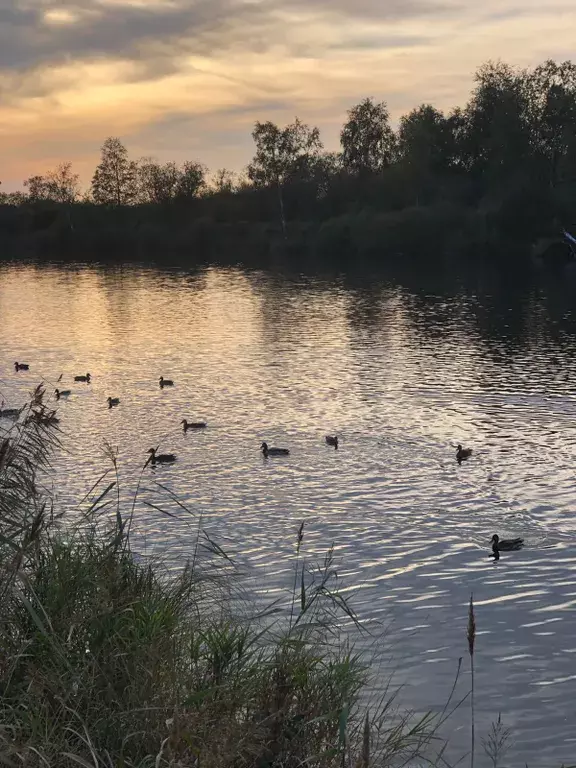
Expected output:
{"points": [[224, 181], [425, 140], [552, 104], [58, 186], [166, 182], [115, 180], [425, 149], [283, 155], [367, 140], [497, 135], [500, 170], [192, 180], [157, 183]]}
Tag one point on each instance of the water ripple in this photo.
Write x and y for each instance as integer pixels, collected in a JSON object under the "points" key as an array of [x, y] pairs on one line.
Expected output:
{"points": [[402, 377]]}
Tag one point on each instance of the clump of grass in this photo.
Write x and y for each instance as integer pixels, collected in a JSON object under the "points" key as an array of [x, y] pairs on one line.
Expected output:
{"points": [[107, 661]]}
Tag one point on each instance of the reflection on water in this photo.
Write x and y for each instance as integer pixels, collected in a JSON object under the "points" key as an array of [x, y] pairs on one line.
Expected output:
{"points": [[401, 373]]}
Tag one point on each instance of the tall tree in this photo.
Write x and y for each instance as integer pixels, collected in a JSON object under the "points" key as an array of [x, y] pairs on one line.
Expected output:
{"points": [[367, 139], [192, 180], [552, 89], [425, 149], [59, 186], [115, 180], [157, 183], [283, 155], [497, 134], [425, 139], [163, 183]]}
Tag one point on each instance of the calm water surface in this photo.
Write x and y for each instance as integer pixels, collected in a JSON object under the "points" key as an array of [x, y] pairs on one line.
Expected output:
{"points": [[402, 370]]}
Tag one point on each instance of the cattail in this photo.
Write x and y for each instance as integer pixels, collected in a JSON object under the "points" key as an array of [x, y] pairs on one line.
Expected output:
{"points": [[366, 743], [299, 537], [471, 634], [4, 451]]}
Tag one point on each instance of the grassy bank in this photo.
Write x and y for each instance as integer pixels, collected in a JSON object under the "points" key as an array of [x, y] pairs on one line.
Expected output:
{"points": [[109, 661]]}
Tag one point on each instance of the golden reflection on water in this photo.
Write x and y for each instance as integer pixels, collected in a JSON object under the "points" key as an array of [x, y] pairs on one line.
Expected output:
{"points": [[401, 374]]}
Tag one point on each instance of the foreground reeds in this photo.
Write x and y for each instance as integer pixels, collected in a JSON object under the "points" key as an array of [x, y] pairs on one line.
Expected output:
{"points": [[109, 661]]}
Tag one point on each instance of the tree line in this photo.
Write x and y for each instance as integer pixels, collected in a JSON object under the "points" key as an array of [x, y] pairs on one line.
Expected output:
{"points": [[512, 147]]}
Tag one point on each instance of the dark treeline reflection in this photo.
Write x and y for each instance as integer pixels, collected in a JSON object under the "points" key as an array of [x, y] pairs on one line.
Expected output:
{"points": [[495, 176], [509, 311]]}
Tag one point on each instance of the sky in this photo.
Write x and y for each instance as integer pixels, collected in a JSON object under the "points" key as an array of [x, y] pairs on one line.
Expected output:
{"points": [[187, 79]]}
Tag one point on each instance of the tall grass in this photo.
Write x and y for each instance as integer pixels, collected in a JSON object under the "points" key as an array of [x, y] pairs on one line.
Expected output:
{"points": [[109, 661]]}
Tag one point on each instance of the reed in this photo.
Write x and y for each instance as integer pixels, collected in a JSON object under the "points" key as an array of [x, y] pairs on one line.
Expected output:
{"points": [[106, 660], [497, 742], [471, 635]]}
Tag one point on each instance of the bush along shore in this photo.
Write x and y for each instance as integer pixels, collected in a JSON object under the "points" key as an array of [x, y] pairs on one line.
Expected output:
{"points": [[107, 660], [496, 176]]}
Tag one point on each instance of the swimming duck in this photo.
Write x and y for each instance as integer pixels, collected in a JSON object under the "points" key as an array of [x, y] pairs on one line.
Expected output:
{"points": [[21, 367], [333, 441], [112, 401], [62, 393], [273, 451], [9, 413], [83, 378], [165, 382], [505, 545], [193, 425], [162, 458], [463, 453]]}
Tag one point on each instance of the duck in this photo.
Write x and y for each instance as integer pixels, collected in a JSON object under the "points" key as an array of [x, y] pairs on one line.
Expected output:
{"points": [[273, 451], [193, 425], [462, 453], [62, 393], [333, 441], [9, 413], [162, 458], [21, 367], [505, 545], [165, 382], [112, 401], [83, 378]]}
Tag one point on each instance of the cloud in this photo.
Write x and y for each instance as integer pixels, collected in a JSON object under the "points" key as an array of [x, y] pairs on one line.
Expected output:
{"points": [[376, 10], [51, 31], [186, 79], [39, 32]]}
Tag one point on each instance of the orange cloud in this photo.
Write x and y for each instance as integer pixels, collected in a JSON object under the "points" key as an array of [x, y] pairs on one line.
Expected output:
{"points": [[193, 75]]}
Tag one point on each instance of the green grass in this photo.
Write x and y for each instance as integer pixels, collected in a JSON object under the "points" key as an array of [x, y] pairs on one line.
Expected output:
{"points": [[109, 661]]}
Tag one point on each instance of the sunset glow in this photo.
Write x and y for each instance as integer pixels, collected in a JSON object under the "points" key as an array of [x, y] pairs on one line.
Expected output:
{"points": [[186, 79]]}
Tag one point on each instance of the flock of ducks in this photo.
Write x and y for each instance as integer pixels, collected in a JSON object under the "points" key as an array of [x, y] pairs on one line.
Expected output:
{"points": [[498, 545]]}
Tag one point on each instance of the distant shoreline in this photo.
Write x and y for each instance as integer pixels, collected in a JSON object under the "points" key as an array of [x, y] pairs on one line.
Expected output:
{"points": [[132, 233]]}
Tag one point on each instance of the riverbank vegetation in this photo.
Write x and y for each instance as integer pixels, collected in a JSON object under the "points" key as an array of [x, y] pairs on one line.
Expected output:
{"points": [[108, 660], [500, 172]]}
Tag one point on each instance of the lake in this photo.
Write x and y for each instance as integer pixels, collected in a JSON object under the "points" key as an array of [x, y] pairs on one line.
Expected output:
{"points": [[402, 367]]}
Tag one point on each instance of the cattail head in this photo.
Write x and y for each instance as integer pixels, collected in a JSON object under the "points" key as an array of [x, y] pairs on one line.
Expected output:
{"points": [[471, 633], [365, 759], [300, 534]]}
